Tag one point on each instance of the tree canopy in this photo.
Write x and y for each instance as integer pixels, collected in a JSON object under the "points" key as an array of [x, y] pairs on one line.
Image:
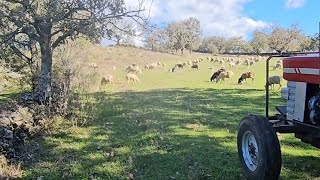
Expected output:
{"points": [[34, 28]]}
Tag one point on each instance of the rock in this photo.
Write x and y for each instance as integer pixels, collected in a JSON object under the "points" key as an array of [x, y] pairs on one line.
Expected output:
{"points": [[5, 122], [8, 134], [22, 114], [27, 98]]}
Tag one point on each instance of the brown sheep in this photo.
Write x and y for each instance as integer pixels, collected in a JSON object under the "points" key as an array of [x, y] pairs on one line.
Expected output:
{"points": [[245, 76]]}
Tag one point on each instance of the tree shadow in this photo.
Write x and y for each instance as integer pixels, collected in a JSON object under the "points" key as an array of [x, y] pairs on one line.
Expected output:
{"points": [[157, 134]]}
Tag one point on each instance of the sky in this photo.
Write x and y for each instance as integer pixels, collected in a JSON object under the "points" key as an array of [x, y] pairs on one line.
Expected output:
{"points": [[229, 18]]}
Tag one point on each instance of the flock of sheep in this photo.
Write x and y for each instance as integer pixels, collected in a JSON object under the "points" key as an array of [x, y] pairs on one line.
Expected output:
{"points": [[220, 75]]}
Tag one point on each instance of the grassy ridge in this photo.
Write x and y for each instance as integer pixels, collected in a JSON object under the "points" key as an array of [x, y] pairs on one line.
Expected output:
{"points": [[171, 126]]}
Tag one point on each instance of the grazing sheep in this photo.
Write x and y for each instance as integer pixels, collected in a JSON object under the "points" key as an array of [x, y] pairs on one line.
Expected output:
{"points": [[172, 70], [114, 67], [274, 80], [93, 65], [248, 63], [225, 74], [195, 62], [164, 65], [179, 65], [107, 79], [151, 66], [245, 76], [277, 66], [132, 77], [216, 74], [232, 65], [134, 69], [221, 62], [238, 62], [195, 66]]}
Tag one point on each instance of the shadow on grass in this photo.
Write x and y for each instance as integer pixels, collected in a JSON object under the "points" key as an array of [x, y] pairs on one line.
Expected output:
{"points": [[159, 134]]}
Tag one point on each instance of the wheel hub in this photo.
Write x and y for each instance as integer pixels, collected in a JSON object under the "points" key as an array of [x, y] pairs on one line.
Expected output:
{"points": [[250, 151]]}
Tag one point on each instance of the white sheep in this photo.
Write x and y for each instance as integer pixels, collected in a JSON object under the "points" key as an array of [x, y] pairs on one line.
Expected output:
{"points": [[93, 65], [232, 65], [132, 77], [272, 80], [225, 74], [133, 69], [107, 79]]}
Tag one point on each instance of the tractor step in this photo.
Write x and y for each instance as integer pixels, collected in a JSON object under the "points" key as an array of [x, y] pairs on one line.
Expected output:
{"points": [[282, 109]]}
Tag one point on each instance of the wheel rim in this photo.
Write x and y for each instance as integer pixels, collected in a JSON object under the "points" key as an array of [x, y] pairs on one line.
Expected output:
{"points": [[250, 150]]}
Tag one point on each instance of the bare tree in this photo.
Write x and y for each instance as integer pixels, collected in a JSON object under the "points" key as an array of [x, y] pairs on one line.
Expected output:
{"points": [[193, 31], [157, 40], [123, 32], [281, 39], [45, 24]]}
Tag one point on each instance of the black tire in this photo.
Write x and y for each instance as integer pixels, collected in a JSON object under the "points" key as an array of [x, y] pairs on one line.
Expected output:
{"points": [[264, 163]]}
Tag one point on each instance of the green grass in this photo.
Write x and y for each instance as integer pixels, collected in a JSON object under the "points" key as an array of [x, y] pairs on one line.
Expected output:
{"points": [[171, 126]]}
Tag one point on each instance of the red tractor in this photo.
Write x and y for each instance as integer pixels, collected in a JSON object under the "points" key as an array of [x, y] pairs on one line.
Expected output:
{"points": [[258, 145]]}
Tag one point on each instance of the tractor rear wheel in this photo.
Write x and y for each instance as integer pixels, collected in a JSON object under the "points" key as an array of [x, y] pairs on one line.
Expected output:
{"points": [[258, 149]]}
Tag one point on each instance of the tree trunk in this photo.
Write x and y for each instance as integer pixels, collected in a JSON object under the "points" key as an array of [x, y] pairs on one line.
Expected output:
{"points": [[118, 42], [34, 67], [46, 70], [182, 51]]}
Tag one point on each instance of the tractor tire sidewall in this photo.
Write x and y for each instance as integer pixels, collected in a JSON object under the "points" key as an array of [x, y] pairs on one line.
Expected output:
{"points": [[269, 161]]}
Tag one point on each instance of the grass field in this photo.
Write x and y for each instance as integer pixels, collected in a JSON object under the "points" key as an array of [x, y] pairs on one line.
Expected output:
{"points": [[171, 126]]}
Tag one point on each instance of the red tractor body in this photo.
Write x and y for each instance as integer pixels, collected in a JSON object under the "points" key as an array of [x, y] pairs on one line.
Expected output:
{"points": [[302, 68]]}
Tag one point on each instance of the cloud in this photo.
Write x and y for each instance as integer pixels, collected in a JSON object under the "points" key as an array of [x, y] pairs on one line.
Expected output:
{"points": [[218, 18], [293, 4]]}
